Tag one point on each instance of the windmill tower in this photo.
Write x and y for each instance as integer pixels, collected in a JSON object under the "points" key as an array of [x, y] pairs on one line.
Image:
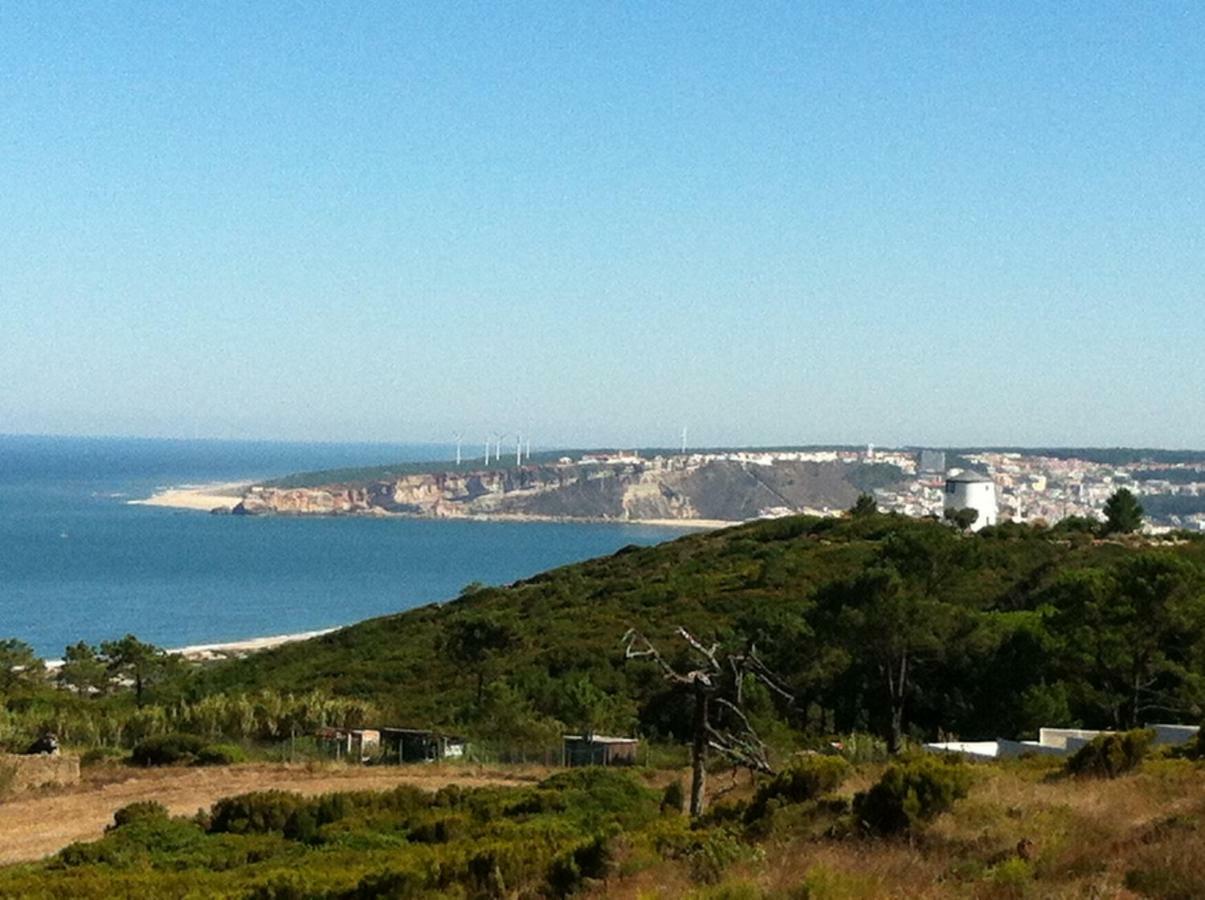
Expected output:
{"points": [[458, 437]]}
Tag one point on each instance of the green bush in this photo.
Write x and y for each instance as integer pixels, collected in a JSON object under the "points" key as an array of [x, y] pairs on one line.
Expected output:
{"points": [[589, 860], [1193, 749], [673, 798], [167, 749], [134, 812], [1110, 755], [712, 852], [911, 792], [220, 755], [99, 755], [256, 813], [805, 778]]}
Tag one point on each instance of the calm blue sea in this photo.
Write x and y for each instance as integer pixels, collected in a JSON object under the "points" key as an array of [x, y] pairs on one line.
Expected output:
{"points": [[78, 563]]}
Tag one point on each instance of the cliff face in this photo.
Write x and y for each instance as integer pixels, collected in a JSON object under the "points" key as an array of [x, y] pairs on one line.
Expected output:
{"points": [[675, 489]]}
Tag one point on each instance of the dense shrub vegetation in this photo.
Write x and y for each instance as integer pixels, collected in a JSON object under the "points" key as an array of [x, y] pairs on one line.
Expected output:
{"points": [[1110, 755], [804, 778], [882, 628], [990, 634], [996, 634], [549, 840], [911, 793]]}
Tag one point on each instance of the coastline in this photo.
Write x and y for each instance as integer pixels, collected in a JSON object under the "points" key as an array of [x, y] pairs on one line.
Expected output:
{"points": [[227, 649], [203, 497], [226, 494], [208, 652]]}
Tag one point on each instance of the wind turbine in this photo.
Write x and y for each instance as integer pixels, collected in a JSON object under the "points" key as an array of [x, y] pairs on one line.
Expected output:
{"points": [[683, 440], [487, 450], [458, 437], [518, 449]]}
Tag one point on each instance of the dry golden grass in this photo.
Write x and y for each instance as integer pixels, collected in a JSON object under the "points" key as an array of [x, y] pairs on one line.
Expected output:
{"points": [[1021, 832]]}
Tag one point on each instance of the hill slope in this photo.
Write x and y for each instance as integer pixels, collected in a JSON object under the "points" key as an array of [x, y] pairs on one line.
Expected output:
{"points": [[994, 625]]}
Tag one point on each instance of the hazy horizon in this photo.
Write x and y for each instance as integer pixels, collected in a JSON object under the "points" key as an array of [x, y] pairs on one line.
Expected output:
{"points": [[771, 223], [470, 448]]}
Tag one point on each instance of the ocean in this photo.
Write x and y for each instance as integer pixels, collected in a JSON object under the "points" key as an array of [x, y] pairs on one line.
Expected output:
{"points": [[77, 562]]}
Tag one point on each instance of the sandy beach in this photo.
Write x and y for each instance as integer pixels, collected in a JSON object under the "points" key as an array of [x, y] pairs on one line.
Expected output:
{"points": [[204, 497], [207, 652], [203, 652]]}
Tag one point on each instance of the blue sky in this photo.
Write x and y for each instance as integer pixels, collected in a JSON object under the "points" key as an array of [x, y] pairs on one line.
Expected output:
{"points": [[777, 223]]}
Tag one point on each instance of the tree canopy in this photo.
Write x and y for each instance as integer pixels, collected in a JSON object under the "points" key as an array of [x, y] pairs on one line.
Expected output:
{"points": [[1123, 513]]}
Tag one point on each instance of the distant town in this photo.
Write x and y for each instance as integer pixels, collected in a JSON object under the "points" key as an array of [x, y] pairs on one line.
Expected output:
{"points": [[1028, 486], [717, 486]]}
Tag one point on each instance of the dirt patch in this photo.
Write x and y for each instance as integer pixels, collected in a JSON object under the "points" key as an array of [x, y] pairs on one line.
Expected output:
{"points": [[35, 826]]}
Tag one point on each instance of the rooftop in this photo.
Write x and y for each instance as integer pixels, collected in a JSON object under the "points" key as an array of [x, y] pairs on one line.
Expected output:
{"points": [[969, 477]]}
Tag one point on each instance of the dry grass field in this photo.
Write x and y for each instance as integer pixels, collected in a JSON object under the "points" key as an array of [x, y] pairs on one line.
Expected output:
{"points": [[36, 825], [1023, 831]]}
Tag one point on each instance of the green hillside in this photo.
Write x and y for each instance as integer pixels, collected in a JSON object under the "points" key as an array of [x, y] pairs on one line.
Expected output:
{"points": [[1001, 632]]}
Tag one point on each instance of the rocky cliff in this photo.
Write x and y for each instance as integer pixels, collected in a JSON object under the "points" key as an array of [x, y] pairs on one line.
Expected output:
{"points": [[676, 488]]}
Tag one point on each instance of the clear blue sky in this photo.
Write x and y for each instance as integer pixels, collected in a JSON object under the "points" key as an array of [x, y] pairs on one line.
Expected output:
{"points": [[899, 223]]}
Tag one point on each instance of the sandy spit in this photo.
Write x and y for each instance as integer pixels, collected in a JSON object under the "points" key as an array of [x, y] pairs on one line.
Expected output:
{"points": [[204, 497]]}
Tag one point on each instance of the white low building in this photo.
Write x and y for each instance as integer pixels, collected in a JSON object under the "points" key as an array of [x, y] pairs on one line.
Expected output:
{"points": [[970, 490], [1053, 742]]}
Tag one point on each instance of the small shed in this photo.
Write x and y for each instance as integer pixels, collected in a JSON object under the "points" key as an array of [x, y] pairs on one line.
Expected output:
{"points": [[598, 750], [352, 744], [407, 745]]}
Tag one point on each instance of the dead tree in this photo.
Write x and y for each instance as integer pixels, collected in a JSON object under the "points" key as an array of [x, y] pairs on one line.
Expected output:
{"points": [[719, 721]]}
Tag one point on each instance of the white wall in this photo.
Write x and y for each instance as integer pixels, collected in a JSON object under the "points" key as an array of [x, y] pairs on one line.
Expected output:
{"points": [[979, 496]]}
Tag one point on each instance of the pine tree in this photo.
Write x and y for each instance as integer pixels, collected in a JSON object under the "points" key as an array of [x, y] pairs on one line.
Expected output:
{"points": [[1123, 513]]}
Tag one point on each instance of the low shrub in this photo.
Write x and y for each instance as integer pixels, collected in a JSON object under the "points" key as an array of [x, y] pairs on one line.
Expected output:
{"points": [[97, 756], [590, 860], [1110, 755], [673, 798], [805, 778], [1175, 882], [167, 749], [220, 755], [256, 813], [712, 852], [134, 812], [910, 793], [1194, 749]]}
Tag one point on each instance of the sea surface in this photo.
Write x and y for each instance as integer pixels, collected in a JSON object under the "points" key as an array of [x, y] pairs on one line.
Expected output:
{"points": [[77, 562]]}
